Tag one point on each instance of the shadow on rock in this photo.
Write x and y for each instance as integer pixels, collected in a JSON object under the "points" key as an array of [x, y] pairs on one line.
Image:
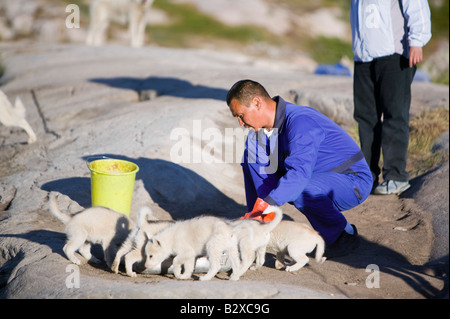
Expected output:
{"points": [[154, 86], [178, 190], [77, 188], [391, 262]]}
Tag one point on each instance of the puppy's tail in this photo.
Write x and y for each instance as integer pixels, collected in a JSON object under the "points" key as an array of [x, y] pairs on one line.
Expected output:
{"points": [[53, 205], [320, 250], [144, 214], [276, 220]]}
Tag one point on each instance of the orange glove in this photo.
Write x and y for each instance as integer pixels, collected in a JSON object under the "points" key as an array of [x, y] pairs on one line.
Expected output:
{"points": [[259, 207]]}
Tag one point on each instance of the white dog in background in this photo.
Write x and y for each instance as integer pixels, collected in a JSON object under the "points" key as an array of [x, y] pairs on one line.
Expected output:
{"points": [[131, 12], [15, 116]]}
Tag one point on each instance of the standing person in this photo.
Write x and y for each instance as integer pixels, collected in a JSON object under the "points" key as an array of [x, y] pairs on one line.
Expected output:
{"points": [[388, 36], [294, 154]]}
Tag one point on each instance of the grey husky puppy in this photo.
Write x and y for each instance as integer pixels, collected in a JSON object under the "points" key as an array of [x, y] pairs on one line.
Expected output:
{"points": [[295, 240], [186, 240], [95, 225], [133, 247], [253, 237]]}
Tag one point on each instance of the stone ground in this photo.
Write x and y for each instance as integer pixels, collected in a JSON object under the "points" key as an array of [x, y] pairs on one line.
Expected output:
{"points": [[129, 103]]}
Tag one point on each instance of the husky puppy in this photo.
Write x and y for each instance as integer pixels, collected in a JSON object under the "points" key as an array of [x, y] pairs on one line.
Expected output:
{"points": [[253, 237], [15, 116], [95, 225], [133, 247], [295, 240], [205, 235], [133, 12]]}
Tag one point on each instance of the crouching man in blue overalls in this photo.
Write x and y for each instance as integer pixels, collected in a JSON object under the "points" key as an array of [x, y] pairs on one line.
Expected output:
{"points": [[294, 154]]}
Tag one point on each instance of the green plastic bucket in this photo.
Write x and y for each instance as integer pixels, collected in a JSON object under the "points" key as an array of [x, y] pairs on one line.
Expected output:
{"points": [[112, 184]]}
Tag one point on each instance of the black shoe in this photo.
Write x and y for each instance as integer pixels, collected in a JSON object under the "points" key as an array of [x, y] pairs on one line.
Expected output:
{"points": [[344, 245]]}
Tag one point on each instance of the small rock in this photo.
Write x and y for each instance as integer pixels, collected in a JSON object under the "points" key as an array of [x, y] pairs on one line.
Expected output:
{"points": [[7, 194]]}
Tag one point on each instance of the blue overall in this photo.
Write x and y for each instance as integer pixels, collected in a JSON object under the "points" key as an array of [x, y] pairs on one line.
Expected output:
{"points": [[310, 162]]}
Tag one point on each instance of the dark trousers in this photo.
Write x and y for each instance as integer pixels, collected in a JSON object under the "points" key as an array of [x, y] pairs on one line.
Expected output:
{"points": [[382, 98]]}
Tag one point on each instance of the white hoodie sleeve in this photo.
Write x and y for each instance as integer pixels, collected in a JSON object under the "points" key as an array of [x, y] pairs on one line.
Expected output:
{"points": [[417, 13]]}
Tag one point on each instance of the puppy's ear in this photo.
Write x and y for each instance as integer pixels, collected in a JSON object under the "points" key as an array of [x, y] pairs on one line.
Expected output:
{"points": [[156, 242], [152, 240]]}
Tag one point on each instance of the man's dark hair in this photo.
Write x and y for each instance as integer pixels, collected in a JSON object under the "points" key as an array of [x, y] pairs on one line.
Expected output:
{"points": [[245, 90]]}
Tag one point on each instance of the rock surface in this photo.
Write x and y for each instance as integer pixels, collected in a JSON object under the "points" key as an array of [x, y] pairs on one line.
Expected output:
{"points": [[129, 103]]}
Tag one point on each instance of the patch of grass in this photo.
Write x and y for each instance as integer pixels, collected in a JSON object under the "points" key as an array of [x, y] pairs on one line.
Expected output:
{"points": [[424, 130], [189, 24], [439, 19], [329, 50]]}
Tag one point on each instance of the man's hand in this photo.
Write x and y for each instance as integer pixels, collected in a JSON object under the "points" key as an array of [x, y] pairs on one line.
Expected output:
{"points": [[415, 56], [259, 207]]}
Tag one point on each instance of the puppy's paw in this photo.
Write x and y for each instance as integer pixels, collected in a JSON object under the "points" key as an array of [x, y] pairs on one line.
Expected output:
{"points": [[76, 261], [205, 278], [279, 265], [184, 276], [255, 267], [234, 277]]}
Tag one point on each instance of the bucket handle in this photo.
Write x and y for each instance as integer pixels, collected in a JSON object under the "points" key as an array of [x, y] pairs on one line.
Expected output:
{"points": [[90, 159]]}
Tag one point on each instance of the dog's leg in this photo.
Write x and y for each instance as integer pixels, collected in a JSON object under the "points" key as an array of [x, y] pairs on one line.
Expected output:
{"points": [[188, 263], [73, 244], [279, 262], [214, 265], [109, 250], [247, 256], [214, 248], [233, 254], [125, 248], [137, 24], [27, 128], [260, 258], [141, 31], [85, 251], [299, 257], [130, 258]]}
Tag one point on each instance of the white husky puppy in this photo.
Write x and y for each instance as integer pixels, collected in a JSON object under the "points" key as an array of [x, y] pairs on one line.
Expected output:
{"points": [[133, 12], [295, 240], [186, 240], [253, 237], [15, 116], [133, 247], [96, 225]]}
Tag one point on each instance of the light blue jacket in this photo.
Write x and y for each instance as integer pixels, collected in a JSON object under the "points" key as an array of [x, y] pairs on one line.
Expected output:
{"points": [[384, 27]]}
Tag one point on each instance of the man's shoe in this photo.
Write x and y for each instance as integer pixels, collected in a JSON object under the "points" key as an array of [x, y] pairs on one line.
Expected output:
{"points": [[390, 187], [344, 245]]}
